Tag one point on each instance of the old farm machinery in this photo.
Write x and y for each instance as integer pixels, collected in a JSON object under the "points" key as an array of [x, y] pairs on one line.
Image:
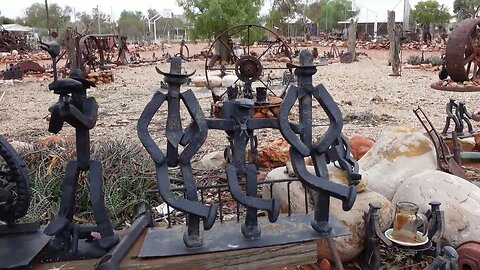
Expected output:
{"points": [[236, 54]]}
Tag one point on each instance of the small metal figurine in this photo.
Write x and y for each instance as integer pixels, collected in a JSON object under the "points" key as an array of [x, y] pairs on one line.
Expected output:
{"points": [[373, 235], [192, 139], [240, 136], [458, 113], [451, 116], [321, 151], [80, 111]]}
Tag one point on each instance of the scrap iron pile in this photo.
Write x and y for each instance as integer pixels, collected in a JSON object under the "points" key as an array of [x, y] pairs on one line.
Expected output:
{"points": [[384, 44], [10, 42]]}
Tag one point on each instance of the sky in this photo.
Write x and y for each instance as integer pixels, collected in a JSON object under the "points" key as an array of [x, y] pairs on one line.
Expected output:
{"points": [[16, 8]]}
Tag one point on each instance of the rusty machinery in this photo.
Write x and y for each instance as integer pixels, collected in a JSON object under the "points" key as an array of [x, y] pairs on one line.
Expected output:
{"points": [[462, 55], [246, 61]]}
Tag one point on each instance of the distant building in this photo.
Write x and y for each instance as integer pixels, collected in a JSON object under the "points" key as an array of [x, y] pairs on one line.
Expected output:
{"points": [[376, 24], [16, 29]]}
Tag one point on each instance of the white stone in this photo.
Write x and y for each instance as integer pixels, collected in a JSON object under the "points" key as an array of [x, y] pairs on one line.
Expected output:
{"points": [[460, 201], [228, 80], [397, 154], [349, 246], [210, 161]]}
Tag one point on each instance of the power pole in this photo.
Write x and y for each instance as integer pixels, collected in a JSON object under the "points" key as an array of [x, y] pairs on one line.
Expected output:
{"points": [[48, 18], [98, 20]]}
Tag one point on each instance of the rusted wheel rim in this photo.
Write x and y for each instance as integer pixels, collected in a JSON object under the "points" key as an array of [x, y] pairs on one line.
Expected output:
{"points": [[462, 48]]}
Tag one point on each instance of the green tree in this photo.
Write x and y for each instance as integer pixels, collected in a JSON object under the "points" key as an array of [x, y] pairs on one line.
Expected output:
{"points": [[59, 17], [211, 17], [5, 20], [466, 8], [327, 13], [282, 9], [132, 25], [430, 12]]}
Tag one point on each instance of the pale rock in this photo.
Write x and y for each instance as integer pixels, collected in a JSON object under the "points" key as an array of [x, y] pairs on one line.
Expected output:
{"points": [[199, 81], [228, 80], [22, 147], [397, 154], [460, 201], [349, 246], [211, 161], [215, 81]]}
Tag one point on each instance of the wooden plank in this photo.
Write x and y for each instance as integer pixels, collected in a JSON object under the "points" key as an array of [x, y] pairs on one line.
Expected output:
{"points": [[255, 258]]}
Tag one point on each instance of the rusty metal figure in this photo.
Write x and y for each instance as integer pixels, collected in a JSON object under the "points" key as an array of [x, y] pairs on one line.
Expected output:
{"points": [[319, 152], [240, 135], [451, 116], [373, 235], [192, 139], [80, 111]]}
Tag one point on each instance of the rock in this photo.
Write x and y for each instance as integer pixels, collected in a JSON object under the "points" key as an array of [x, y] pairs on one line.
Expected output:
{"points": [[211, 161], [199, 81], [228, 80], [466, 144], [398, 154], [273, 154], [360, 145], [214, 81], [460, 202], [349, 246], [21, 147]]}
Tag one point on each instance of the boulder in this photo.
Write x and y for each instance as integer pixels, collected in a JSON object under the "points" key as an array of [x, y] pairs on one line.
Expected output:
{"points": [[360, 145], [228, 80], [211, 161], [349, 246], [199, 81], [460, 201], [398, 154], [273, 154]]}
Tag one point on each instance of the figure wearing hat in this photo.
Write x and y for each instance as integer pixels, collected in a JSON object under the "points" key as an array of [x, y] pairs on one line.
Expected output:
{"points": [[80, 111]]}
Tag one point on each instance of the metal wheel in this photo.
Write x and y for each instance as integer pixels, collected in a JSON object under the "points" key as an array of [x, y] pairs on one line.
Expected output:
{"points": [[463, 50], [248, 62], [14, 188]]}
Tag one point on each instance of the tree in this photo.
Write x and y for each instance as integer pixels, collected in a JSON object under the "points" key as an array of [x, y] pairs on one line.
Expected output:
{"points": [[327, 13], [466, 8], [5, 20], [430, 12], [215, 16], [36, 16], [280, 10], [132, 24]]}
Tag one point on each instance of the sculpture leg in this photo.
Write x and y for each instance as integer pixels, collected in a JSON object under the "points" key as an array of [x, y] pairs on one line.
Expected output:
{"points": [[447, 126], [61, 225], [191, 238], [104, 225]]}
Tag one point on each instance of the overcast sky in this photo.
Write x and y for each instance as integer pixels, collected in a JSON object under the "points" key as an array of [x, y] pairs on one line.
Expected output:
{"points": [[16, 8]]}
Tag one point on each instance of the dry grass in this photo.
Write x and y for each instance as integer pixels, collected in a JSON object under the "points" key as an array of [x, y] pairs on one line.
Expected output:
{"points": [[127, 176]]}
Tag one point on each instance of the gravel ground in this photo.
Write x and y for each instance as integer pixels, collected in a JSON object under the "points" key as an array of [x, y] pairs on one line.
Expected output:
{"points": [[369, 98]]}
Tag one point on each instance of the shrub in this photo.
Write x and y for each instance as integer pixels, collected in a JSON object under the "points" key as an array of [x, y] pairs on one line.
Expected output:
{"points": [[414, 60]]}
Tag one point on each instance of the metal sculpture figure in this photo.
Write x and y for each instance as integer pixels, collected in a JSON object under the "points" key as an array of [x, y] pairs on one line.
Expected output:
{"points": [[80, 111], [459, 114], [373, 235], [192, 138], [451, 116], [237, 121], [321, 151], [240, 135]]}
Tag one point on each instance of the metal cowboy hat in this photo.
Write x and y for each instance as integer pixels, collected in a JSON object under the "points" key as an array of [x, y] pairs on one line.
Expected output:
{"points": [[77, 75]]}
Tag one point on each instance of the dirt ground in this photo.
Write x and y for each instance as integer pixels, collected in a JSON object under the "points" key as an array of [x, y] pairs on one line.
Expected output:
{"points": [[368, 97]]}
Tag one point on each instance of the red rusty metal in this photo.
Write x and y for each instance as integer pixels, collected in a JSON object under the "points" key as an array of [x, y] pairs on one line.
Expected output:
{"points": [[461, 50], [28, 65], [469, 256]]}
